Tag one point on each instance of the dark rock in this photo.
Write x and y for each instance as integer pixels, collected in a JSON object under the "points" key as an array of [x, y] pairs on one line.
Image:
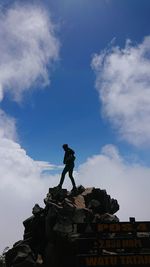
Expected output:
{"points": [[58, 193], [49, 235], [96, 195], [20, 255], [105, 218], [37, 210], [114, 206]]}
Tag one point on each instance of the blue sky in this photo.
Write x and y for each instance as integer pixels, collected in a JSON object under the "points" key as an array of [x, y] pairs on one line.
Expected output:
{"points": [[69, 110], [75, 72], [72, 93]]}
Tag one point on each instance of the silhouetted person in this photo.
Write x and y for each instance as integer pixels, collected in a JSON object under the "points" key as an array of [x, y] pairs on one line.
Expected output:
{"points": [[69, 159]]}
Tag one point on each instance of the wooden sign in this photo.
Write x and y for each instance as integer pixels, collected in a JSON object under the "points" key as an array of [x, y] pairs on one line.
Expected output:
{"points": [[120, 227], [141, 260], [113, 244], [94, 245], [123, 227]]}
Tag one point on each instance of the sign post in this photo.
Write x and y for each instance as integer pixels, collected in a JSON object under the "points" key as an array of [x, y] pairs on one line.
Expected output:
{"points": [[113, 244]]}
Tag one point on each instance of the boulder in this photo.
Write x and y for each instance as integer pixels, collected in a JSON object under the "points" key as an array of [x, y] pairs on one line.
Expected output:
{"points": [[50, 233]]}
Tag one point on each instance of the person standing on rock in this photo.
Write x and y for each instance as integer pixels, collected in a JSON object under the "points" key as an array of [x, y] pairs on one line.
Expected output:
{"points": [[69, 159]]}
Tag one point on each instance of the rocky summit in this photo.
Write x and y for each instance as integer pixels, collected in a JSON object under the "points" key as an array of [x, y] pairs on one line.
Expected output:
{"points": [[51, 232]]}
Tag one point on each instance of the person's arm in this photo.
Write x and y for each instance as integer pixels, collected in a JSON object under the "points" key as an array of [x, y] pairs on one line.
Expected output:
{"points": [[65, 158]]}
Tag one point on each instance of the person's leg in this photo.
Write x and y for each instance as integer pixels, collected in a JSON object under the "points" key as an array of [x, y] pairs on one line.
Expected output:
{"points": [[65, 170], [71, 177]]}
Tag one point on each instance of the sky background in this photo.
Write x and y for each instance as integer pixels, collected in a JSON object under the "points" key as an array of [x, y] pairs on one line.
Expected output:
{"points": [[76, 72]]}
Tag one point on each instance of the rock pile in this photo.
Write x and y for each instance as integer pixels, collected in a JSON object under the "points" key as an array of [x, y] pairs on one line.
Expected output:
{"points": [[50, 233]]}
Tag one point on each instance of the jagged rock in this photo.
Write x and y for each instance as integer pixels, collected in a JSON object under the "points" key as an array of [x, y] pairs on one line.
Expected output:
{"points": [[58, 194], [37, 210], [80, 215], [79, 202], [95, 206], [105, 218], [20, 255], [50, 233], [35, 230], [114, 206], [104, 203]]}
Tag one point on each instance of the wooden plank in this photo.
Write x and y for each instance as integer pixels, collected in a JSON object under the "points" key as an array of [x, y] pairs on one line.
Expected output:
{"points": [[120, 227], [130, 260], [95, 245]]}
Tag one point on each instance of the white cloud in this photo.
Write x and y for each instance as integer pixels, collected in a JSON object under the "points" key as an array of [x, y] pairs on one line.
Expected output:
{"points": [[21, 186], [7, 126], [127, 182], [48, 166], [123, 83], [28, 47], [22, 183]]}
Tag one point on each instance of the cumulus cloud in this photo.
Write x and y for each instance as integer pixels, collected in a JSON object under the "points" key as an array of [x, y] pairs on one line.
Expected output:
{"points": [[7, 126], [28, 47], [123, 83], [22, 182], [128, 182], [28, 44], [21, 186]]}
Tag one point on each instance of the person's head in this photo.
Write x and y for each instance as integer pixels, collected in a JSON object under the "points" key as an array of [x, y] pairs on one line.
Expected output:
{"points": [[65, 146]]}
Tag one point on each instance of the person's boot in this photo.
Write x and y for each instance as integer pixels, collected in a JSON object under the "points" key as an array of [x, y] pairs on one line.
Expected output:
{"points": [[58, 187], [74, 189]]}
